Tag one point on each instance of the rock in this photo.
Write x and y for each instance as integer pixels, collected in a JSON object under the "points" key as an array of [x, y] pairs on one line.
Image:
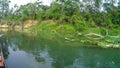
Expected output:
{"points": [[112, 45], [79, 33], [69, 39], [109, 45], [66, 38], [116, 46]]}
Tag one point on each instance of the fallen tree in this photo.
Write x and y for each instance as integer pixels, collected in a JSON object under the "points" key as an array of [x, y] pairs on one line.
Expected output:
{"points": [[94, 36]]}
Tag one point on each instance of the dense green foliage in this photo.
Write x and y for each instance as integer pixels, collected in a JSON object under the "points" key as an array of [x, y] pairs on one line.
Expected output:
{"points": [[86, 13]]}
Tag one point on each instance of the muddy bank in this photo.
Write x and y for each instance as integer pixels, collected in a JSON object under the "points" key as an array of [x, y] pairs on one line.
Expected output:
{"points": [[17, 26]]}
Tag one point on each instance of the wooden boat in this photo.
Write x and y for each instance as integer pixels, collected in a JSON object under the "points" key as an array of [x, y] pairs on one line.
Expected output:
{"points": [[2, 62]]}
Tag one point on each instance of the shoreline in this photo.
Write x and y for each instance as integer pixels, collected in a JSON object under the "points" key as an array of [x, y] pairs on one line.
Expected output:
{"points": [[89, 36], [71, 35]]}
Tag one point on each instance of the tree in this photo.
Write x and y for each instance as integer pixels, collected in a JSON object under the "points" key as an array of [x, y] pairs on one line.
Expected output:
{"points": [[67, 5], [4, 7]]}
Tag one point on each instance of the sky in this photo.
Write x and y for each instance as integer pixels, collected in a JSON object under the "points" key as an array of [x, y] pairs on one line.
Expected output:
{"points": [[22, 2]]}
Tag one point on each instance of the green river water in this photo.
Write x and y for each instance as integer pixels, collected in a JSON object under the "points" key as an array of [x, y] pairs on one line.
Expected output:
{"points": [[27, 51]]}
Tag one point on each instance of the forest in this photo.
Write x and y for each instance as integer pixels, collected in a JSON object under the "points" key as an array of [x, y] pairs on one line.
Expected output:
{"points": [[71, 18]]}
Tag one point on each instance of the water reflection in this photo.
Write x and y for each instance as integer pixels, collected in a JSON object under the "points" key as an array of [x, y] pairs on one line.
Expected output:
{"points": [[38, 52], [3, 43]]}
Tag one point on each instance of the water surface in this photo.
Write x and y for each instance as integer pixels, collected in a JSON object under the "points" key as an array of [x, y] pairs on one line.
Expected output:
{"points": [[28, 51]]}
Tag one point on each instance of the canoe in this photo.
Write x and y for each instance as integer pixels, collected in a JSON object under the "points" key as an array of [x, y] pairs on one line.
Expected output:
{"points": [[2, 62]]}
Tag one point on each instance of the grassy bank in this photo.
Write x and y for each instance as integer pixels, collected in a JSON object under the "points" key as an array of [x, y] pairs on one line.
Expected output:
{"points": [[90, 36]]}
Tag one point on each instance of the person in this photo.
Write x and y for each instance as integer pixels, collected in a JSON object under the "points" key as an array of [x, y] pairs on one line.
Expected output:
{"points": [[1, 62]]}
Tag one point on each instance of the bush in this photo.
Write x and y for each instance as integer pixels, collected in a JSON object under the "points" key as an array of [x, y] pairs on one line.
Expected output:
{"points": [[103, 31], [114, 32], [78, 22]]}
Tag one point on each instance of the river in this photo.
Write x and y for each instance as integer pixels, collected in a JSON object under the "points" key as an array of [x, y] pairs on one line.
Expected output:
{"points": [[28, 51]]}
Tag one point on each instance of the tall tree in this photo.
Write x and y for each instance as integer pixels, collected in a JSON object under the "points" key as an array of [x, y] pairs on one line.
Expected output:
{"points": [[67, 5], [4, 7]]}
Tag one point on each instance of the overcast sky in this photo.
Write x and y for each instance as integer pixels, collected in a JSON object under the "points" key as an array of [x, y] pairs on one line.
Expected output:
{"points": [[22, 2]]}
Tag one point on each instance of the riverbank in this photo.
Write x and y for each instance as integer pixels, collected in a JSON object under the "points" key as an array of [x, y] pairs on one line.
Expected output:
{"points": [[90, 36]]}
